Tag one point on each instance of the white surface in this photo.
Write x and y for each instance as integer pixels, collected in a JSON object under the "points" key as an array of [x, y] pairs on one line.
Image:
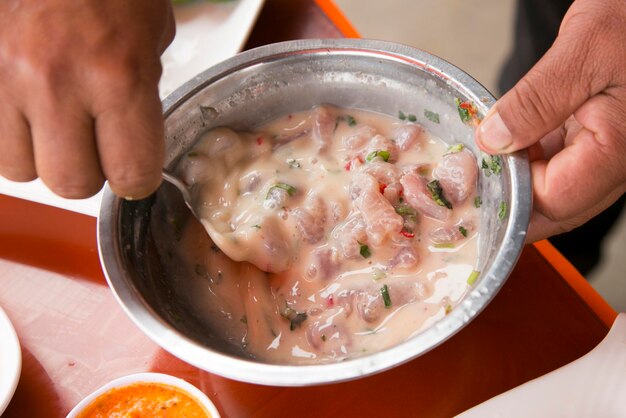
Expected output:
{"points": [[206, 33], [10, 361], [149, 378], [592, 386]]}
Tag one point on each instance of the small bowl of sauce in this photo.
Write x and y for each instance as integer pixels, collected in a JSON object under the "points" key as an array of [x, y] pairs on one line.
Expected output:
{"points": [[146, 395]]}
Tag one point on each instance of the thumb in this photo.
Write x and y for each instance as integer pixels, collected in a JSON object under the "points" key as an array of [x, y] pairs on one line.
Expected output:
{"points": [[541, 101]]}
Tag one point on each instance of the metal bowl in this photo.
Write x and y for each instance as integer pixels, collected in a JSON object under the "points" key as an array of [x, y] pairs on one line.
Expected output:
{"points": [[257, 86]]}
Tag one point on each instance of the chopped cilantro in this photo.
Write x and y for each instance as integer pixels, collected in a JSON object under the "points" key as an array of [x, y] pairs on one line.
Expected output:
{"points": [[478, 201], [467, 110], [491, 164], [364, 250], [502, 210], [256, 226], [289, 189], [384, 291], [472, 277], [401, 115], [431, 116], [455, 148], [405, 210], [293, 163], [384, 154], [192, 154], [295, 318], [347, 118], [437, 194], [444, 245], [412, 118], [448, 309], [463, 231]]}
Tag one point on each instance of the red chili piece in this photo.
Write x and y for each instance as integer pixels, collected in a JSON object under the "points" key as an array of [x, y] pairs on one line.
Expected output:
{"points": [[259, 140], [382, 187], [407, 233]]}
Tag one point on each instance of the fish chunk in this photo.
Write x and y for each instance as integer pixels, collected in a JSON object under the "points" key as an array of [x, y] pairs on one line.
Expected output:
{"points": [[324, 126], [357, 141], [419, 197], [311, 220], [380, 217], [457, 174], [408, 136]]}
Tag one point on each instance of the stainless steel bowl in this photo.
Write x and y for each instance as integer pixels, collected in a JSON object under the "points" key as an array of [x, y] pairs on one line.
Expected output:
{"points": [[257, 86]]}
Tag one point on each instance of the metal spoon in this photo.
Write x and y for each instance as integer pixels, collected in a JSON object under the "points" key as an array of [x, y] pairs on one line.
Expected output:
{"points": [[221, 240]]}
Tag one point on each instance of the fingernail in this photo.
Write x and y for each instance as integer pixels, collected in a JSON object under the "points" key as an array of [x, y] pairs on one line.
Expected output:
{"points": [[494, 134]]}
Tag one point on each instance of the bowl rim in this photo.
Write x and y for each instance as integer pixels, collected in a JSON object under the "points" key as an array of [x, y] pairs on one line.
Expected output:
{"points": [[251, 371], [147, 377]]}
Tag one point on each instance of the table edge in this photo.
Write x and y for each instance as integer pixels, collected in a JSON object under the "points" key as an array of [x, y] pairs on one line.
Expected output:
{"points": [[577, 282]]}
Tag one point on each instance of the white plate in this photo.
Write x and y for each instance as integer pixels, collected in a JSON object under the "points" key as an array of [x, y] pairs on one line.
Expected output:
{"points": [[206, 33], [148, 378], [10, 361]]}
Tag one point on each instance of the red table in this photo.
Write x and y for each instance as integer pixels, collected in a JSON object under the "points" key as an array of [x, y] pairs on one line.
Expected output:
{"points": [[75, 337]]}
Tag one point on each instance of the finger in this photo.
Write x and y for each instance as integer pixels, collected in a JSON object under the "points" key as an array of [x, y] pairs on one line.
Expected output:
{"points": [[16, 159], [549, 93], [129, 130], [66, 157], [579, 178], [170, 29], [548, 146], [541, 226]]}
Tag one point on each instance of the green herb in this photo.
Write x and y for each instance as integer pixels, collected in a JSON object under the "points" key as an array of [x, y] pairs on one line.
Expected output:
{"points": [[472, 277], [455, 148], [502, 210], [431, 116], [192, 154], [491, 164], [401, 115], [293, 163], [244, 319], [256, 226], [384, 154], [412, 118], [478, 201], [289, 189], [295, 318], [347, 118], [384, 291], [444, 245], [405, 210], [448, 309], [463, 231], [364, 250], [467, 110], [463, 113], [437, 194]]}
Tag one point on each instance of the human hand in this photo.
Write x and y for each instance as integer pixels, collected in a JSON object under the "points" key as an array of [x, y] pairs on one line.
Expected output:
{"points": [[79, 87], [569, 111]]}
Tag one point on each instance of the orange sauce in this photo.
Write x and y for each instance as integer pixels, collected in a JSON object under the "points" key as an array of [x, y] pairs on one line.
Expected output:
{"points": [[145, 400]]}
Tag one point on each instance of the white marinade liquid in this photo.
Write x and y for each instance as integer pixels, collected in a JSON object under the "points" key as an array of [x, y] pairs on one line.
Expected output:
{"points": [[340, 206]]}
